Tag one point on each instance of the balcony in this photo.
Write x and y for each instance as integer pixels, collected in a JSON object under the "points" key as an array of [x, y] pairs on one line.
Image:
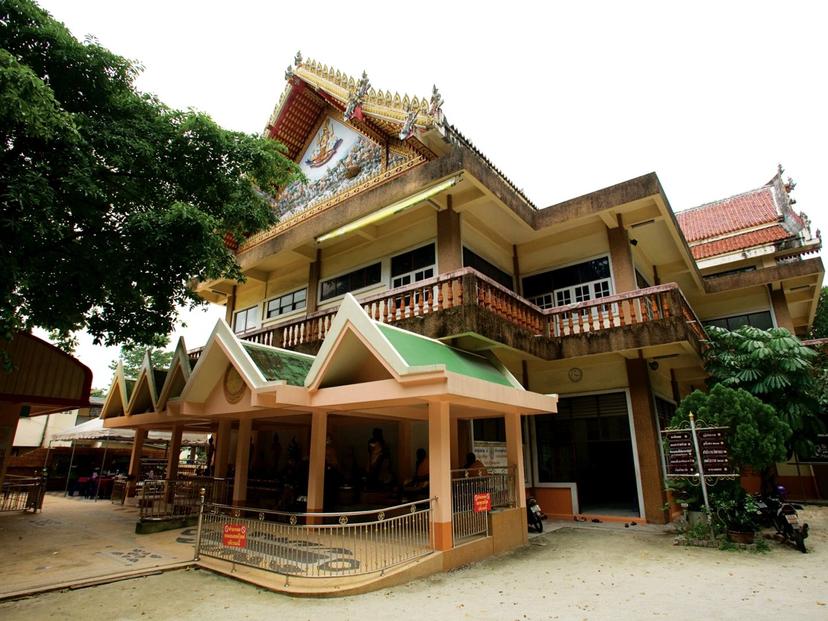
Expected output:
{"points": [[467, 302]]}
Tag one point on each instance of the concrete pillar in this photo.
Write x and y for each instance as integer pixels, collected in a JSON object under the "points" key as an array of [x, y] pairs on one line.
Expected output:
{"points": [[456, 458], [174, 452], [780, 309], [623, 271], [242, 460], [439, 461], [314, 269], [647, 441], [230, 306], [225, 428], [135, 460], [316, 467], [514, 455], [405, 450], [449, 244]]}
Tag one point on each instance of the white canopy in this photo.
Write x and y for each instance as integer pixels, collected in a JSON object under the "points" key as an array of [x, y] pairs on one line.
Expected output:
{"points": [[94, 430]]}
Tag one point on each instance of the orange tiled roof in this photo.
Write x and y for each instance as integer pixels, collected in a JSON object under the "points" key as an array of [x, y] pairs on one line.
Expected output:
{"points": [[729, 215], [767, 235]]}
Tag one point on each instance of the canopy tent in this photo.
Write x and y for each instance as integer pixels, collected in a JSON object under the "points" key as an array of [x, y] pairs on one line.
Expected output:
{"points": [[93, 430]]}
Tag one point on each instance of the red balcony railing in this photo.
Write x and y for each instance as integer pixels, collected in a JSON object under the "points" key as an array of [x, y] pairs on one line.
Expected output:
{"points": [[467, 286]]}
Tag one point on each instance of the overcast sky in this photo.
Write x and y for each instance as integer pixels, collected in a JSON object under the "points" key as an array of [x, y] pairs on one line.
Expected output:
{"points": [[564, 98]]}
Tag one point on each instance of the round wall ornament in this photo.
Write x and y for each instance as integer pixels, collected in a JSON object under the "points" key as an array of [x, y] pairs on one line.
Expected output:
{"points": [[575, 374], [233, 385]]}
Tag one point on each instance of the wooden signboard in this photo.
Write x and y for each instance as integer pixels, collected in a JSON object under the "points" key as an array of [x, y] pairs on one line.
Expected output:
{"points": [[681, 459], [713, 449]]}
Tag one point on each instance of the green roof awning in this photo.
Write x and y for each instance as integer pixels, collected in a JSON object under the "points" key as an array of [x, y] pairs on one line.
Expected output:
{"points": [[278, 364], [417, 350]]}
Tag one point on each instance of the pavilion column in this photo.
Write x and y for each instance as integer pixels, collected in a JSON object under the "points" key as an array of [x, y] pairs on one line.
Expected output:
{"points": [[242, 461], [135, 461], [174, 452], [316, 466], [439, 458], [514, 455], [456, 459], [9, 417], [225, 427]]}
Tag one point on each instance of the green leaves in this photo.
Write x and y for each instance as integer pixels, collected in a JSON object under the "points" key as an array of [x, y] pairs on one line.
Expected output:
{"points": [[111, 202]]}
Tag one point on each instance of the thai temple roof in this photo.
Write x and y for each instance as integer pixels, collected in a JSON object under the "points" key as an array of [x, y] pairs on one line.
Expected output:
{"points": [[279, 364]]}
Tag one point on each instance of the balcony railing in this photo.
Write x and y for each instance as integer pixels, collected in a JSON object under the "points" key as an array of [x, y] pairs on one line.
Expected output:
{"points": [[469, 287]]}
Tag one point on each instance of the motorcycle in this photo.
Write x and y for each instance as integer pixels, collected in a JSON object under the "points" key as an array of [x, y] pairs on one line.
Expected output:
{"points": [[776, 511], [534, 515]]}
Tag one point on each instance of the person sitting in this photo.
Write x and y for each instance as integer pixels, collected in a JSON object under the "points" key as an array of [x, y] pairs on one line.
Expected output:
{"points": [[474, 467], [418, 484]]}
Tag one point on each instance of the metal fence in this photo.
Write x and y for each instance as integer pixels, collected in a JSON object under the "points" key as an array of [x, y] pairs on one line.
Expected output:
{"points": [[177, 498], [470, 520], [22, 494], [119, 491], [316, 545]]}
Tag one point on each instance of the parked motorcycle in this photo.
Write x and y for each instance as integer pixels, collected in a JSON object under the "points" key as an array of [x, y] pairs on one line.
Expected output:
{"points": [[776, 511], [534, 515]]}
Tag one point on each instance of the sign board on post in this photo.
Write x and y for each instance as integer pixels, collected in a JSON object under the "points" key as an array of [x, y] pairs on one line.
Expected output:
{"points": [[482, 502], [680, 459], [713, 449], [234, 536]]}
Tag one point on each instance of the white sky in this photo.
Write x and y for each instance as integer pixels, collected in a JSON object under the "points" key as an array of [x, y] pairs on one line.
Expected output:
{"points": [[565, 98]]}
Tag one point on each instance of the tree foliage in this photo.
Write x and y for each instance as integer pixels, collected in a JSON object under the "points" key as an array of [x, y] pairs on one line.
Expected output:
{"points": [[133, 357], [111, 201], [819, 329], [774, 366], [757, 435]]}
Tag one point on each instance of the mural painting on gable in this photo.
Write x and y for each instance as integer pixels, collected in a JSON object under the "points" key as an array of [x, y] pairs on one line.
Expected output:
{"points": [[337, 158]]}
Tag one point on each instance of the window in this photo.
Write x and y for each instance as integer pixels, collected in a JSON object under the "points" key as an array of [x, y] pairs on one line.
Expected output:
{"points": [[412, 266], [287, 303], [477, 262], [568, 285], [246, 319], [489, 430], [761, 320], [352, 281], [665, 410]]}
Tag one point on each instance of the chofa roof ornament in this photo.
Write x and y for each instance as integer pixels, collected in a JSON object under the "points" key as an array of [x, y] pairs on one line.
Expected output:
{"points": [[354, 107]]}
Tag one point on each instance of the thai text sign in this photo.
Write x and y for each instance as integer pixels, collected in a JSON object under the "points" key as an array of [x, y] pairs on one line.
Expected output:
{"points": [[681, 459], [482, 502], [234, 536], [713, 449], [681, 452]]}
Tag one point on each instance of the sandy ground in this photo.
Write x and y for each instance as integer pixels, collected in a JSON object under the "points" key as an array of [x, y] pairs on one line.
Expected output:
{"points": [[575, 572], [75, 539]]}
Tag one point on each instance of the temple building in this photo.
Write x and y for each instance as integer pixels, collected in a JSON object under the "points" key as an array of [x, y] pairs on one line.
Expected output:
{"points": [[411, 297]]}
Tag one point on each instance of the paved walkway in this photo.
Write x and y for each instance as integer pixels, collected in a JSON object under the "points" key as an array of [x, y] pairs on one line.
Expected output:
{"points": [[74, 540]]}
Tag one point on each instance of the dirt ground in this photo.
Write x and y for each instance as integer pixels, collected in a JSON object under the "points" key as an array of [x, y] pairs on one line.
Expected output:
{"points": [[575, 572]]}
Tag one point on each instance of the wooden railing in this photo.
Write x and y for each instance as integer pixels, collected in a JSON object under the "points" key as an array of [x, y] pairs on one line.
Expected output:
{"points": [[468, 286]]}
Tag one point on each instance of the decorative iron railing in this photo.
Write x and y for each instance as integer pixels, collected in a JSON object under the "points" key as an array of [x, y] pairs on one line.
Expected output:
{"points": [[22, 494], [164, 499], [316, 545], [468, 286], [496, 485]]}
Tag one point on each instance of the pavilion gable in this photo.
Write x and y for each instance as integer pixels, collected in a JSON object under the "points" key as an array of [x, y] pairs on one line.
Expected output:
{"points": [[177, 375], [117, 399]]}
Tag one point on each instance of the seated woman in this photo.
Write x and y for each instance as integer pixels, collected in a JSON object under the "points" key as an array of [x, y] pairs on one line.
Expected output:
{"points": [[417, 487]]}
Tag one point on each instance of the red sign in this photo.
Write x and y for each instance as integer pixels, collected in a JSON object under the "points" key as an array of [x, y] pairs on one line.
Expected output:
{"points": [[234, 536], [482, 502]]}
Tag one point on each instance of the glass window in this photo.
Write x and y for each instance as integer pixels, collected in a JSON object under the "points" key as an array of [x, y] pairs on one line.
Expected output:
{"points": [[352, 281], [246, 319], [574, 283], [412, 266], [470, 259], [761, 320], [287, 303]]}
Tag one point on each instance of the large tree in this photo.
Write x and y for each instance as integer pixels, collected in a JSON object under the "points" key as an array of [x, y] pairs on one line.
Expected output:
{"points": [[111, 201], [819, 329], [774, 366]]}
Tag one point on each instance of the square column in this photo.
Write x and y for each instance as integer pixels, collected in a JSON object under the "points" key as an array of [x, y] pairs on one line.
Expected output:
{"points": [[316, 466], [242, 461], [222, 448], [514, 456], [439, 480], [405, 451], [135, 461]]}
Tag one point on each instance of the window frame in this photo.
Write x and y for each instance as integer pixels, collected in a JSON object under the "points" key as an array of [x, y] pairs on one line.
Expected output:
{"points": [[364, 266], [246, 310], [268, 318], [553, 294]]}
